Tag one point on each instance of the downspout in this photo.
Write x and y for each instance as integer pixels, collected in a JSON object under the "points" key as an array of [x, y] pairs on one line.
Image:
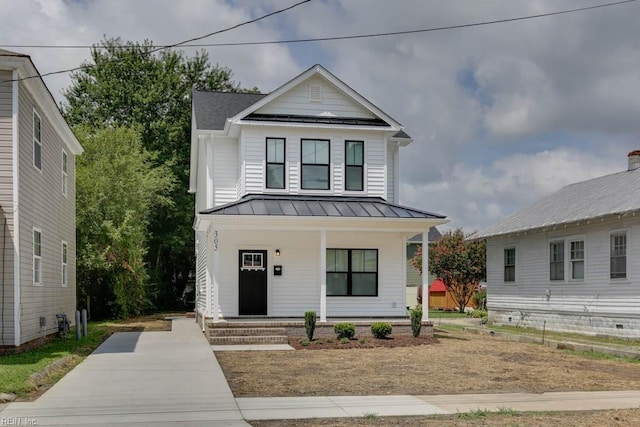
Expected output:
{"points": [[16, 211]]}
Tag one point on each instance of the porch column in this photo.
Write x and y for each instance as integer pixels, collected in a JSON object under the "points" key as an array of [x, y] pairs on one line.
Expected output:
{"points": [[323, 276], [425, 275], [209, 276], [216, 285]]}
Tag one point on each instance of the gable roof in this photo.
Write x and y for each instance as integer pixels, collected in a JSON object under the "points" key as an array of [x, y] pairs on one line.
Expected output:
{"points": [[212, 109], [328, 206], [615, 194], [33, 82]]}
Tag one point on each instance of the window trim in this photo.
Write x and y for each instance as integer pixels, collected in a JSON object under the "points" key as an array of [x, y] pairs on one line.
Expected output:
{"points": [[328, 164], [37, 257], [64, 261], [570, 260], [283, 164], [350, 272], [36, 141], [619, 232], [562, 262], [65, 173], [505, 265], [347, 166]]}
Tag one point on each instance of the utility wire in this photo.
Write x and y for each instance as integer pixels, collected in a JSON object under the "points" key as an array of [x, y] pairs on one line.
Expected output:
{"points": [[358, 36], [83, 67]]}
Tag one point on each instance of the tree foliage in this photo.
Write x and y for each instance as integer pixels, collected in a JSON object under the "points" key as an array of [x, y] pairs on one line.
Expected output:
{"points": [[128, 84], [459, 263], [118, 186]]}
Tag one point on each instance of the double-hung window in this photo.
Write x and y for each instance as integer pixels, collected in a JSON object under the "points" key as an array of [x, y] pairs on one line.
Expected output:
{"points": [[37, 256], [37, 140], [64, 264], [354, 156], [510, 264], [576, 258], [275, 163], [556, 260], [352, 272], [315, 164], [618, 268], [65, 172]]}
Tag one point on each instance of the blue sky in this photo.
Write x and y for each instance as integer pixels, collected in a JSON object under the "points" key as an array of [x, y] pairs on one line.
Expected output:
{"points": [[501, 115]]}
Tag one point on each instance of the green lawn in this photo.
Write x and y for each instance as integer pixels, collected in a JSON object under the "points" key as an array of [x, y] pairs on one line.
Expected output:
{"points": [[437, 314], [15, 369]]}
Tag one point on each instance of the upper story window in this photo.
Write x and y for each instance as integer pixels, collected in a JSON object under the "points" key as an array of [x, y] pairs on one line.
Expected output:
{"points": [[37, 256], [354, 160], [556, 260], [315, 164], [618, 257], [37, 140], [510, 264], [65, 172], [275, 163]]}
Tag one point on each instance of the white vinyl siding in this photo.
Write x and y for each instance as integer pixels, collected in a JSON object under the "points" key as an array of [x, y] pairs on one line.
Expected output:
{"points": [[225, 171]]}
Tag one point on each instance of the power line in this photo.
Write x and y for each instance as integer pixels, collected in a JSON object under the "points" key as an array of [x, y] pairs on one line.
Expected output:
{"points": [[334, 38], [251, 21]]}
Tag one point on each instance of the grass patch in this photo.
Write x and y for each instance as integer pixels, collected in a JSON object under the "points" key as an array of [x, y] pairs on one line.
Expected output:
{"points": [[596, 355], [15, 369], [566, 336], [437, 314]]}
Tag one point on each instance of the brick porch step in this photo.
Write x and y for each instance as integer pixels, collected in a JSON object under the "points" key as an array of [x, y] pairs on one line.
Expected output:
{"points": [[246, 339]]}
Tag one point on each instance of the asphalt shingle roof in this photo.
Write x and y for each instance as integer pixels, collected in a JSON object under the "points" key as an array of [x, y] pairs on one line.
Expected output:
{"points": [[331, 206], [212, 109], [617, 193]]}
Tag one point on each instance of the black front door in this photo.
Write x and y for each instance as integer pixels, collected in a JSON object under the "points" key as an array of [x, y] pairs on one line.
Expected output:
{"points": [[253, 283]]}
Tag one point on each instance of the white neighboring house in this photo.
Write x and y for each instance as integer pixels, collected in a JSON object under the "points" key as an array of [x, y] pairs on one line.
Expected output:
{"points": [[571, 259], [37, 205], [297, 203]]}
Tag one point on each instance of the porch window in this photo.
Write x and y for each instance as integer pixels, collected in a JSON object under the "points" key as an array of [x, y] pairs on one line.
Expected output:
{"points": [[618, 255], [275, 163], [352, 272], [556, 260], [510, 264], [315, 164], [354, 156]]}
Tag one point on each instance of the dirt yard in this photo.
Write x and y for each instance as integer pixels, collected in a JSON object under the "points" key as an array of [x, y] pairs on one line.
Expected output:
{"points": [[459, 363]]}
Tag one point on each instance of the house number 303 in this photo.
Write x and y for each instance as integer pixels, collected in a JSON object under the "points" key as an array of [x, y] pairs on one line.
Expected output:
{"points": [[216, 240]]}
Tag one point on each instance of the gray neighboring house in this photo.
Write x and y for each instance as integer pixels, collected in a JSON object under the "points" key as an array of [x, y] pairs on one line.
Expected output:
{"points": [[571, 259], [37, 205], [414, 278]]}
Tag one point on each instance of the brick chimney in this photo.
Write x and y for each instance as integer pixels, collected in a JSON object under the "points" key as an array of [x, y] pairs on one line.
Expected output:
{"points": [[634, 160]]}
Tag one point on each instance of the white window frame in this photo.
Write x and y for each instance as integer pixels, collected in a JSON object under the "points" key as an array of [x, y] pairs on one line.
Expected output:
{"points": [[36, 141], [515, 264], [564, 259], [65, 173], [256, 262], [37, 257], [570, 260], [619, 232], [64, 260]]}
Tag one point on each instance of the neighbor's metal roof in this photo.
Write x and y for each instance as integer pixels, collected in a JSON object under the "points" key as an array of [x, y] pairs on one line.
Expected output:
{"points": [[327, 206], [617, 193]]}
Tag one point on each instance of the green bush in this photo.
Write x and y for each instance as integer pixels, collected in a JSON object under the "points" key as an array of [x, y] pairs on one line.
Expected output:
{"points": [[304, 342], [310, 323], [480, 299], [416, 321], [478, 314], [344, 340], [344, 330], [362, 340], [381, 329]]}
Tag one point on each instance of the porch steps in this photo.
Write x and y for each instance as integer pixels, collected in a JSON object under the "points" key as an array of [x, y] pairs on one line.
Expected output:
{"points": [[246, 335]]}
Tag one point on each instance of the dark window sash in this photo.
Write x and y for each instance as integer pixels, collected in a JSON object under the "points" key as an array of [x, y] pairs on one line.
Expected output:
{"points": [[351, 273], [309, 166]]}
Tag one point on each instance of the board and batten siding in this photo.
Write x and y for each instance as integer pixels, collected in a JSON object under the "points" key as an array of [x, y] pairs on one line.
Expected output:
{"points": [[392, 153], [42, 205], [596, 304], [298, 288], [333, 101], [201, 271], [6, 207], [253, 162]]}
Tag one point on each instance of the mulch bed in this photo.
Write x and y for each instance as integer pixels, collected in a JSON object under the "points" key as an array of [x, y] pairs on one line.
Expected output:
{"points": [[324, 343]]}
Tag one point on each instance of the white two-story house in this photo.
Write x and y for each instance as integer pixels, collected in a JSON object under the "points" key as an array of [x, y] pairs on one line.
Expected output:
{"points": [[297, 203]]}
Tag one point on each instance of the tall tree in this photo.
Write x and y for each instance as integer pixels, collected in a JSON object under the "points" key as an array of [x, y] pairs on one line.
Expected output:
{"points": [[118, 187], [459, 263], [128, 84]]}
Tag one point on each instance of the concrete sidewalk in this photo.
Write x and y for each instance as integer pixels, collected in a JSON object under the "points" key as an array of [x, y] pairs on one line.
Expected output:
{"points": [[133, 378], [173, 378]]}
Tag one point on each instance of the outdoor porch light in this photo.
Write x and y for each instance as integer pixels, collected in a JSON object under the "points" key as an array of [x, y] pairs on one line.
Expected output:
{"points": [[277, 252]]}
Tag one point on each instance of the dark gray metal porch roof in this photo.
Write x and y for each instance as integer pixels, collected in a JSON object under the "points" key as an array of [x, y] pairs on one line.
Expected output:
{"points": [[317, 206]]}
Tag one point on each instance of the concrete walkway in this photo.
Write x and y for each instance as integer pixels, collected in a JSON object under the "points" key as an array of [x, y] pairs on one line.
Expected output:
{"points": [[173, 378]]}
